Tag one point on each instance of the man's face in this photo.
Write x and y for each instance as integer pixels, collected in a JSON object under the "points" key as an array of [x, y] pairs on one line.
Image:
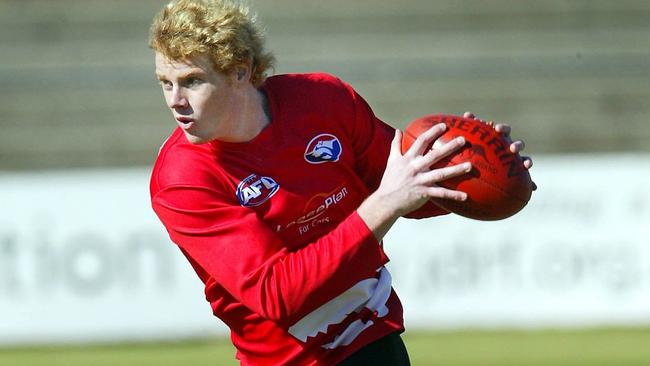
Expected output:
{"points": [[202, 100]]}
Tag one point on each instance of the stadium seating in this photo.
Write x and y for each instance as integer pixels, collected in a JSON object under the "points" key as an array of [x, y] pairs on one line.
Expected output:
{"points": [[77, 87]]}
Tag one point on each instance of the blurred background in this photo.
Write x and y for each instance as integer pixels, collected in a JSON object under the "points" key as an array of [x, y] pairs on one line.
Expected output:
{"points": [[571, 76], [82, 118]]}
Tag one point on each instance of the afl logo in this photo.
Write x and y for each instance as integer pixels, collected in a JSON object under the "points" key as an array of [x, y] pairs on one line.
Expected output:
{"points": [[323, 148], [254, 190]]}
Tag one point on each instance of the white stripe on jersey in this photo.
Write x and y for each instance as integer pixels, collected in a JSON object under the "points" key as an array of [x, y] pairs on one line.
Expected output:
{"points": [[370, 293]]}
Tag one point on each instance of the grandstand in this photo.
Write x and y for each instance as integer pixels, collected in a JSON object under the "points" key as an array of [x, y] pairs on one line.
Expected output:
{"points": [[571, 76]]}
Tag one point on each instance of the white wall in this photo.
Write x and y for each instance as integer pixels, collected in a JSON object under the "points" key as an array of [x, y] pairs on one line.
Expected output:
{"points": [[83, 258], [577, 255]]}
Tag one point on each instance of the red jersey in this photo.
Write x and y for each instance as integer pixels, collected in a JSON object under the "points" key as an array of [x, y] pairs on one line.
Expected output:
{"points": [[270, 225]]}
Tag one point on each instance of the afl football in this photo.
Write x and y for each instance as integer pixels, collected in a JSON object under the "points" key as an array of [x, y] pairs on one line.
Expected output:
{"points": [[498, 185]]}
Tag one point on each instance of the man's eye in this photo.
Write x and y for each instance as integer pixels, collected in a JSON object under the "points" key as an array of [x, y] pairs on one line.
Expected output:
{"points": [[166, 84], [193, 82]]}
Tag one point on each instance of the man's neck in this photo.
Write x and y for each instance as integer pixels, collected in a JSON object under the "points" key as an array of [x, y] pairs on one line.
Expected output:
{"points": [[254, 116]]}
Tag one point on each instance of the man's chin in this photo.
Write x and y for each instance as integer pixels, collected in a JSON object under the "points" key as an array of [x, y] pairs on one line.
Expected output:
{"points": [[195, 140]]}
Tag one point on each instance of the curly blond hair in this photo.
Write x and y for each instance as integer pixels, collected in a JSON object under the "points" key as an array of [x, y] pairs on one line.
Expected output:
{"points": [[223, 30]]}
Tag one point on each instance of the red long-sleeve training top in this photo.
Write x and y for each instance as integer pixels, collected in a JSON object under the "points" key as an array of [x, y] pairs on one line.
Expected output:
{"points": [[270, 225]]}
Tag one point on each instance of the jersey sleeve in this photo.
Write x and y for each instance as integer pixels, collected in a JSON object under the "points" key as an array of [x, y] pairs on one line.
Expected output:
{"points": [[371, 140], [244, 256]]}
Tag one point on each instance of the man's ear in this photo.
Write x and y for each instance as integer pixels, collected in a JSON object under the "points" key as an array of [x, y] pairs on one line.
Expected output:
{"points": [[241, 72]]}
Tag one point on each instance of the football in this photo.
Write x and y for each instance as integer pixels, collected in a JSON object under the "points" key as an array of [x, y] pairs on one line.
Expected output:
{"points": [[497, 187]]}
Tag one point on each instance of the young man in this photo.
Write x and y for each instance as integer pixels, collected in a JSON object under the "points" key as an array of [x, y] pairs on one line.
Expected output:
{"points": [[279, 191]]}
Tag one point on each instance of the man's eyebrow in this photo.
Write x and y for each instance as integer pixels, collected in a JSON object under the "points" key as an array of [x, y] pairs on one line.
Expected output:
{"points": [[191, 73]]}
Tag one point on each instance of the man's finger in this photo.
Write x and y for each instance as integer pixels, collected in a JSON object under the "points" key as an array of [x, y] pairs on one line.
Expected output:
{"points": [[425, 139]]}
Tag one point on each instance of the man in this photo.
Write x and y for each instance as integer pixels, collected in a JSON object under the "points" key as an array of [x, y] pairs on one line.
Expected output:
{"points": [[279, 191]]}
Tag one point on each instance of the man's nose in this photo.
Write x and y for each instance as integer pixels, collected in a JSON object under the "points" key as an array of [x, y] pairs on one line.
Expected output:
{"points": [[177, 99]]}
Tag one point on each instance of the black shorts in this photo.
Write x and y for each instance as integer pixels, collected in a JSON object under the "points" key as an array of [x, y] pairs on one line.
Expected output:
{"points": [[387, 351]]}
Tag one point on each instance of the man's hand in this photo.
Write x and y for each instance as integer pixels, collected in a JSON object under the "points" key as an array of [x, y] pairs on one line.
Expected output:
{"points": [[516, 146], [409, 182]]}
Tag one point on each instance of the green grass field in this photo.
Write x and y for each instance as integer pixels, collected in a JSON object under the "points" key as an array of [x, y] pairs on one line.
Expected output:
{"points": [[611, 347]]}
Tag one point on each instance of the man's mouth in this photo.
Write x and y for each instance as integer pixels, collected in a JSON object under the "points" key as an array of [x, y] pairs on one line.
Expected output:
{"points": [[185, 122]]}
